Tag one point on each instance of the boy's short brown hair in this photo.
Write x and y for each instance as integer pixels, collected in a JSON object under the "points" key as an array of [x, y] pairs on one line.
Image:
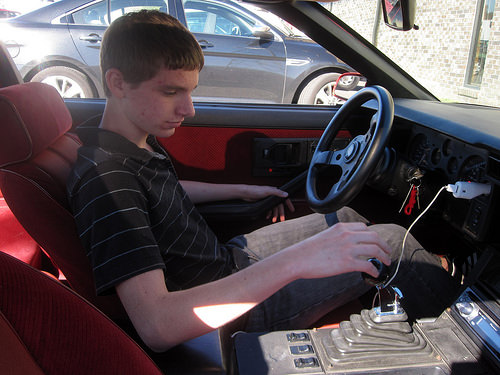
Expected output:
{"points": [[139, 44]]}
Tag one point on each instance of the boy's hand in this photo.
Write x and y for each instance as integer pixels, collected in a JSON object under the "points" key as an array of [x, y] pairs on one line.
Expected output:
{"points": [[342, 248], [278, 212], [256, 192]]}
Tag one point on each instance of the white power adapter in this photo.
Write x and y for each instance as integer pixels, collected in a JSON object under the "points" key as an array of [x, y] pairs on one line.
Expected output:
{"points": [[468, 189]]}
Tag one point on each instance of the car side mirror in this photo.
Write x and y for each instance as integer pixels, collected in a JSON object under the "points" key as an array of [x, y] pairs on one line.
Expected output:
{"points": [[263, 32], [399, 14]]}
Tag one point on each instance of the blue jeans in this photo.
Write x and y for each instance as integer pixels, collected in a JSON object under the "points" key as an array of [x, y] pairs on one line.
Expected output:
{"points": [[301, 303]]}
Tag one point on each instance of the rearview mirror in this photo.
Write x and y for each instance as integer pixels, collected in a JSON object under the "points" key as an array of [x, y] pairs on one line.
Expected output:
{"points": [[399, 14]]}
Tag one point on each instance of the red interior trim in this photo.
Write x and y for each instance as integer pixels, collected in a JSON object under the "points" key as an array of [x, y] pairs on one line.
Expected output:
{"points": [[219, 154]]}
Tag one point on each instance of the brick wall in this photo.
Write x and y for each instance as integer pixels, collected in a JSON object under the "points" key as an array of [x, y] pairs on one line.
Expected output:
{"points": [[445, 32]]}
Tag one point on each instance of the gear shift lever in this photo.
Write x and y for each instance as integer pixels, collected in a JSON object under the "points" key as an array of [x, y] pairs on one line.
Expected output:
{"points": [[389, 308], [383, 273]]}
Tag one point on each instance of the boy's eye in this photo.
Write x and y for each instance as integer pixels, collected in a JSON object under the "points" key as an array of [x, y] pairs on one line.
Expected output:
{"points": [[169, 92]]}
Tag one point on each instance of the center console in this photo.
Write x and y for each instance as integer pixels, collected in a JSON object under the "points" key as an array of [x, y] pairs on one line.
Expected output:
{"points": [[464, 339]]}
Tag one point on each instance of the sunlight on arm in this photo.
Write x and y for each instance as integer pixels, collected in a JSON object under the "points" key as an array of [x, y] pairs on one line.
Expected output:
{"points": [[218, 315]]}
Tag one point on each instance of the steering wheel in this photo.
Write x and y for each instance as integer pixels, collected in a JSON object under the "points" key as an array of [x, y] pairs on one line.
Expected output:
{"points": [[355, 163]]}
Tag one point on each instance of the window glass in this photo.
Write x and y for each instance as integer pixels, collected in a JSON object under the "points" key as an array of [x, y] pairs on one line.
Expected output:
{"points": [[481, 39], [95, 14], [452, 50], [121, 7], [211, 18]]}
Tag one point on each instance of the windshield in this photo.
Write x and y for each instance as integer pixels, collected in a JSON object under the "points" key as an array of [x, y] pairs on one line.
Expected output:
{"points": [[453, 50]]}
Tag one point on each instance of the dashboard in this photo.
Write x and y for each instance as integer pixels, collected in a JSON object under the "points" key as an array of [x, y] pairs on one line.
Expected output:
{"points": [[440, 144]]}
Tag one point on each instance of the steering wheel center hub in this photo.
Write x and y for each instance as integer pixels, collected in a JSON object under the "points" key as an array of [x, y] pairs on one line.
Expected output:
{"points": [[351, 151]]}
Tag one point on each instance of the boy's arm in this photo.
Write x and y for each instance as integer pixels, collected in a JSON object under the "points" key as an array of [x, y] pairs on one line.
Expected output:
{"points": [[164, 319], [200, 192]]}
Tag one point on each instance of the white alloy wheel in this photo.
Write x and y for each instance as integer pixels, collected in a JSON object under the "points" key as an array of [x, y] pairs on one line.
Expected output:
{"points": [[69, 82], [320, 90]]}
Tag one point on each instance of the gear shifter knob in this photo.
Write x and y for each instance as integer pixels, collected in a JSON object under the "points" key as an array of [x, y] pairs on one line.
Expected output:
{"points": [[383, 273]]}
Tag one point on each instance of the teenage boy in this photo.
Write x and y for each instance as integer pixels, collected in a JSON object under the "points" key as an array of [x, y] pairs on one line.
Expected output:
{"points": [[147, 242]]}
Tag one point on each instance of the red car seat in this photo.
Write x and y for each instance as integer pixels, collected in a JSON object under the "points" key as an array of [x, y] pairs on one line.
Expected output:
{"points": [[36, 155], [13, 239], [46, 328]]}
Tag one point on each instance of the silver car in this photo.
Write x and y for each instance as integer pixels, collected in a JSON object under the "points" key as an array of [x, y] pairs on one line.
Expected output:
{"points": [[59, 45]]}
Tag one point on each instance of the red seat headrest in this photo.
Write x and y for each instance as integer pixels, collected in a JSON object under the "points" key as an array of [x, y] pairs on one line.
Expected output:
{"points": [[33, 116]]}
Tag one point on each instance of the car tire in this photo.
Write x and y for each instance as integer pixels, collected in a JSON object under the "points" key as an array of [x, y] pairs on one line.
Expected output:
{"points": [[348, 82], [319, 90], [70, 83]]}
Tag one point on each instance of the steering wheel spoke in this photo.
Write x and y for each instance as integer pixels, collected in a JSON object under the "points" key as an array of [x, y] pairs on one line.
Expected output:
{"points": [[322, 157], [357, 161]]}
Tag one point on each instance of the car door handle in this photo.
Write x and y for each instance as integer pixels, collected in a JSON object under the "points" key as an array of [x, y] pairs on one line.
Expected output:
{"points": [[205, 43], [92, 38]]}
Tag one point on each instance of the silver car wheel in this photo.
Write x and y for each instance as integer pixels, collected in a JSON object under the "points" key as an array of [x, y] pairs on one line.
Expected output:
{"points": [[348, 82], [325, 95], [69, 82], [319, 91], [66, 87]]}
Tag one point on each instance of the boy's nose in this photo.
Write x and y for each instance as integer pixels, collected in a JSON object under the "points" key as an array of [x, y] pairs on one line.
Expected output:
{"points": [[186, 107]]}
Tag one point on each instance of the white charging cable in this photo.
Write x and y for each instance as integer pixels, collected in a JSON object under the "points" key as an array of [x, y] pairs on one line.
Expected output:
{"points": [[460, 189]]}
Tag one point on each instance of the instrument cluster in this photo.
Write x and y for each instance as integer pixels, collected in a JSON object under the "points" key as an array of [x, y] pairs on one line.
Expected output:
{"points": [[432, 151]]}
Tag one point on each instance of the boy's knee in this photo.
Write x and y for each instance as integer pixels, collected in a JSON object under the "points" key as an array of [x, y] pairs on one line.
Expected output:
{"points": [[345, 215], [393, 234]]}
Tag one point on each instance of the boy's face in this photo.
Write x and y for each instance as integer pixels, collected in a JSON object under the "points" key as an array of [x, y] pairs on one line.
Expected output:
{"points": [[158, 106]]}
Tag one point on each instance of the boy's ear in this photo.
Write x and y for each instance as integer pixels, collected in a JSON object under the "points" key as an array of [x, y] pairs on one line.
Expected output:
{"points": [[115, 82]]}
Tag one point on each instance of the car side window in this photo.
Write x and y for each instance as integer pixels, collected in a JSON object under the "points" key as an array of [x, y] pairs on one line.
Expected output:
{"points": [[95, 14], [210, 18], [121, 7]]}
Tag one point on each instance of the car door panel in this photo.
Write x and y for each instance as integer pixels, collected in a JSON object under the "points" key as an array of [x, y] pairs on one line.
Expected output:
{"points": [[88, 42], [25, 46], [217, 153], [87, 26]]}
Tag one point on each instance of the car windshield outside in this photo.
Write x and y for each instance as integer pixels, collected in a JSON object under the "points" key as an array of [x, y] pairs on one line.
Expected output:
{"points": [[453, 49]]}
